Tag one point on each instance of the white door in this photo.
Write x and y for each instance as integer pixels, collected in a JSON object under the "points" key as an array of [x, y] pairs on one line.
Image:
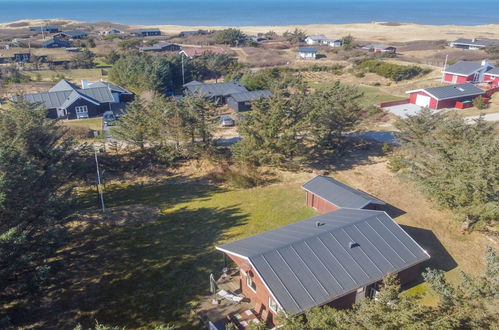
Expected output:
{"points": [[423, 100]]}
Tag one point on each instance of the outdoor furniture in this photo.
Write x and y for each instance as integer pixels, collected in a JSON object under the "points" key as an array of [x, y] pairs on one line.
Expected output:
{"points": [[229, 296]]}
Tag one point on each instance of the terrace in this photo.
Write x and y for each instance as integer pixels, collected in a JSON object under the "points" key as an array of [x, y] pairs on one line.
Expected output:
{"points": [[216, 311]]}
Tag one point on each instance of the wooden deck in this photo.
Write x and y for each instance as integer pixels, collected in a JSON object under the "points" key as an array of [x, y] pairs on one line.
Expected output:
{"points": [[215, 308]]}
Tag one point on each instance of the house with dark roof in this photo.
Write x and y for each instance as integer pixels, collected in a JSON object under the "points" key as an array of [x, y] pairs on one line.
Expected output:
{"points": [[337, 258], [232, 93], [378, 48], [161, 47], [67, 100], [242, 101], [450, 96], [473, 44], [326, 194], [148, 32], [307, 53], [466, 71], [56, 43], [49, 29], [73, 34]]}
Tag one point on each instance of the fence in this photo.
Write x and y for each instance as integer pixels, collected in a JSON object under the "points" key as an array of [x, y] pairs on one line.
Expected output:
{"points": [[393, 103]]}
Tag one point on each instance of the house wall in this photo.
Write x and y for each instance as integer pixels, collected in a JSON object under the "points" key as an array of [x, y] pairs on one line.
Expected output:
{"points": [[260, 298], [307, 56], [410, 274], [495, 80], [320, 204], [93, 110], [448, 77], [413, 96], [238, 106]]}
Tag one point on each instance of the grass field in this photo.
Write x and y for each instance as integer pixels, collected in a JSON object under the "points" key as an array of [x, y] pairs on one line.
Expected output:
{"points": [[92, 123], [74, 75], [141, 276], [156, 273]]}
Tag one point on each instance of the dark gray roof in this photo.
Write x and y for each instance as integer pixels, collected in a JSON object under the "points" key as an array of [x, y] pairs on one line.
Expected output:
{"points": [[216, 89], [157, 46], [307, 50], [477, 42], [112, 87], [454, 91], [339, 193], [65, 93], [250, 96], [494, 71], [305, 265], [74, 33], [465, 67], [148, 30], [63, 85], [62, 43], [377, 46]]}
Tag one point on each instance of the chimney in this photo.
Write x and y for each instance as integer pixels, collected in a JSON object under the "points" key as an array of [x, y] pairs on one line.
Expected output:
{"points": [[485, 62], [353, 244], [473, 40]]}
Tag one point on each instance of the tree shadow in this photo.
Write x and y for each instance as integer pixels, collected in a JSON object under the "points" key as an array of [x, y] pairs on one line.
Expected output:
{"points": [[171, 192], [354, 152], [135, 276], [440, 257]]}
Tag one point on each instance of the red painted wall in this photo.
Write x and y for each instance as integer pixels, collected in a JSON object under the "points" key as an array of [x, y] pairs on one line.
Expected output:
{"points": [[413, 96], [495, 80], [448, 77], [260, 298], [321, 205]]}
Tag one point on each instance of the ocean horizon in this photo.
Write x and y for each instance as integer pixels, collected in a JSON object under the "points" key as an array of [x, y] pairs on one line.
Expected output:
{"points": [[254, 12]]}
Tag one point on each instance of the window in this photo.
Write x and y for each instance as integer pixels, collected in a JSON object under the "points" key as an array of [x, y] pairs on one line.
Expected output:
{"points": [[250, 283], [273, 305], [81, 109]]}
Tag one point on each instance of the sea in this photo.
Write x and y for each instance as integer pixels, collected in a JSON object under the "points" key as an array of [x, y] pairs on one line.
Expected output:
{"points": [[256, 12]]}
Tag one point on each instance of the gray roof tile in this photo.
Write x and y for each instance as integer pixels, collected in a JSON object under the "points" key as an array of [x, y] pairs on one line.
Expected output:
{"points": [[217, 89], [339, 193], [454, 91], [464, 67], [305, 265], [477, 42], [250, 96]]}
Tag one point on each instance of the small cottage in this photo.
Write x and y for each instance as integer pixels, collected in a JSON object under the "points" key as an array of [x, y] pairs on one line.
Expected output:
{"points": [[306, 53], [445, 96]]}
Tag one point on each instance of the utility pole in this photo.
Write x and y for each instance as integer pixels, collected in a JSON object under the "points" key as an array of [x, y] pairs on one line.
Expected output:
{"points": [[445, 67], [183, 73], [99, 186]]}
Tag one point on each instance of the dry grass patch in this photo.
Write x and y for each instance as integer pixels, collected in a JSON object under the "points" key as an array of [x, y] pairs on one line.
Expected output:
{"points": [[127, 215]]}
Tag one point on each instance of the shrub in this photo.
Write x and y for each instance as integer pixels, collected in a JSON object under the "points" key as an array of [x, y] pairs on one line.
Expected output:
{"points": [[392, 71], [479, 103], [79, 132]]}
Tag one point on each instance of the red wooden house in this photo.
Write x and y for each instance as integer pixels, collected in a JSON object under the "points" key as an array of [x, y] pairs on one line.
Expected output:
{"points": [[466, 71], [335, 259], [326, 194], [444, 96]]}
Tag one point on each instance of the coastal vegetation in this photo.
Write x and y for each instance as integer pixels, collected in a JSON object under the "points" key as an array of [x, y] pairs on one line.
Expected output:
{"points": [[392, 71]]}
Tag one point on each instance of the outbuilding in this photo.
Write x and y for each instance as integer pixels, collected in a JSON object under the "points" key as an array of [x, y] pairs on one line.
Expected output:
{"points": [[56, 43], [466, 71], [306, 53], [148, 32], [161, 47], [377, 48], [326, 194], [473, 44], [444, 96], [242, 101]]}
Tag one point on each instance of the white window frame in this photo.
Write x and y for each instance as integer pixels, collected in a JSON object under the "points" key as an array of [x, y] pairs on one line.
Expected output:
{"points": [[81, 109], [275, 309], [249, 281]]}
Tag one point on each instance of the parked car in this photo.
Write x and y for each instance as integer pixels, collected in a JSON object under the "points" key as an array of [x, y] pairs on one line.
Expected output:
{"points": [[226, 121], [109, 118]]}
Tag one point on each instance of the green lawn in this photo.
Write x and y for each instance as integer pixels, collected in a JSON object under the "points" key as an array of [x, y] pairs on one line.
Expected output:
{"points": [[92, 123], [156, 273], [74, 75]]}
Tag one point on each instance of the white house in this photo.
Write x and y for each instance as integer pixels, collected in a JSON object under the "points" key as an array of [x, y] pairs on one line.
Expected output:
{"points": [[334, 43], [110, 32], [307, 53], [316, 39]]}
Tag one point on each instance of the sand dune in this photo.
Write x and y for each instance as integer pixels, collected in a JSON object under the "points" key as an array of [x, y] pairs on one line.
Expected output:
{"points": [[376, 31]]}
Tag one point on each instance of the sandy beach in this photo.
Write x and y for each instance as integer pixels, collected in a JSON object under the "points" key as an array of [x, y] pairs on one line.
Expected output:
{"points": [[376, 31]]}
